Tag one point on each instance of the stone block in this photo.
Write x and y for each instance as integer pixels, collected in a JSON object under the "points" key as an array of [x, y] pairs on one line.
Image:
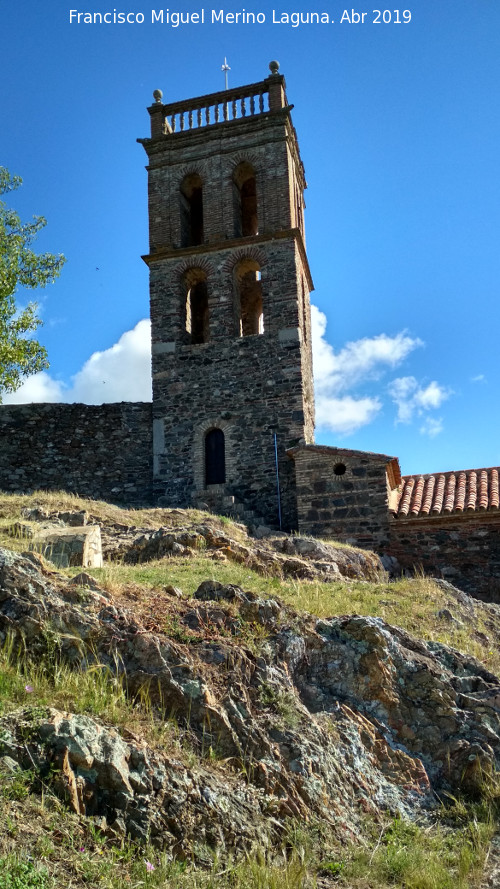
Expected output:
{"points": [[69, 547]]}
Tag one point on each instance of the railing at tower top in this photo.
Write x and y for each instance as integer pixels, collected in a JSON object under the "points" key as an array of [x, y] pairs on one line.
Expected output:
{"points": [[221, 107]]}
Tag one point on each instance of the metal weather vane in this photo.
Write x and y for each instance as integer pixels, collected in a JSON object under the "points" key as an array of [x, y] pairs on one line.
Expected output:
{"points": [[225, 67]]}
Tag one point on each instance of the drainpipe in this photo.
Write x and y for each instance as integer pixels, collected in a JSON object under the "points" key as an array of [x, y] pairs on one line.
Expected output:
{"points": [[277, 478]]}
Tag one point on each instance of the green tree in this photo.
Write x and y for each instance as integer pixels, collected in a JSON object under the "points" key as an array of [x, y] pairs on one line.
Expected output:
{"points": [[20, 354]]}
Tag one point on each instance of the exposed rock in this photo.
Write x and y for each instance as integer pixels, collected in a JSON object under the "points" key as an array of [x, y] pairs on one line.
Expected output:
{"points": [[328, 719], [87, 582], [279, 555], [153, 797]]}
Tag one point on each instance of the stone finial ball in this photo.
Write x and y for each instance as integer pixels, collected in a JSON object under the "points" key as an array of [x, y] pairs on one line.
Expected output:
{"points": [[157, 95], [274, 67]]}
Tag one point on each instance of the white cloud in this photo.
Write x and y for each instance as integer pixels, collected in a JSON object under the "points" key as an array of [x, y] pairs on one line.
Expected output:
{"points": [[479, 378], [120, 373], [431, 426], [357, 362], [40, 387], [346, 414], [413, 399], [360, 360], [123, 373]]}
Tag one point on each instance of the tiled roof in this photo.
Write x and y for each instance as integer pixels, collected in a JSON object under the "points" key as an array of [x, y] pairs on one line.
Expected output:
{"points": [[473, 490]]}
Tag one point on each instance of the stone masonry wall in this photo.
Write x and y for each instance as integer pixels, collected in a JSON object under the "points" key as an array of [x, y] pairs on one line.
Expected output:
{"points": [[97, 451], [343, 494], [464, 550], [250, 387]]}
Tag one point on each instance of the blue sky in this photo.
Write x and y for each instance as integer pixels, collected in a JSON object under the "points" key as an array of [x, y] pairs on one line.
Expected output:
{"points": [[399, 129]]}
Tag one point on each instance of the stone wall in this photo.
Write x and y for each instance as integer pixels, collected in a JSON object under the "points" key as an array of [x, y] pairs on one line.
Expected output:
{"points": [[250, 387], [98, 451], [463, 549], [344, 494]]}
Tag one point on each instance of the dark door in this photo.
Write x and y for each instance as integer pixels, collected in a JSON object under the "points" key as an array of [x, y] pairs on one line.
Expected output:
{"points": [[215, 461]]}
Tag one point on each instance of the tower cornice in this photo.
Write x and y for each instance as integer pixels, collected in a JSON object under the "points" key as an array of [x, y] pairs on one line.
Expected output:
{"points": [[162, 253]]}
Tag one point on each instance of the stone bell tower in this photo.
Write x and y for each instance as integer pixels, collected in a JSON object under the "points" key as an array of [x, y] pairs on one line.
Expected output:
{"points": [[230, 311]]}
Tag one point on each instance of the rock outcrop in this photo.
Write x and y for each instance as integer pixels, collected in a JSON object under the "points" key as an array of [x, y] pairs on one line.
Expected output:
{"points": [[310, 717], [281, 555]]}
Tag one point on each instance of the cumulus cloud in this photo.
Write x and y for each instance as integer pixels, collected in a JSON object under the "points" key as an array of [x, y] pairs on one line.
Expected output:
{"points": [[346, 414], [40, 387], [335, 373], [431, 426], [360, 360], [412, 399], [120, 373]]}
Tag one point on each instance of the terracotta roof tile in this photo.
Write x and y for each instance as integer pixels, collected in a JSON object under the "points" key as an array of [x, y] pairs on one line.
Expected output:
{"points": [[438, 495], [429, 495], [472, 490], [449, 499], [417, 496], [407, 491], [494, 492], [460, 495]]}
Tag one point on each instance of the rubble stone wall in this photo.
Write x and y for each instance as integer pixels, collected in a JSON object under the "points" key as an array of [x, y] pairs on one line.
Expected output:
{"points": [[463, 549], [250, 387], [342, 494], [98, 451]]}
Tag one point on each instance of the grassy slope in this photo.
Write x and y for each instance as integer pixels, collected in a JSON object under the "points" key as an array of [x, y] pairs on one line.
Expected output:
{"points": [[33, 824]]}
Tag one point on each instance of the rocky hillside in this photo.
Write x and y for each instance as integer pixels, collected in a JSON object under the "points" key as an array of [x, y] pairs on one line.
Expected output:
{"points": [[241, 715]]}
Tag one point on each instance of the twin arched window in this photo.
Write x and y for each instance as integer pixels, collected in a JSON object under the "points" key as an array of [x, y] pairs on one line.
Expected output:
{"points": [[248, 308], [247, 302], [244, 199]]}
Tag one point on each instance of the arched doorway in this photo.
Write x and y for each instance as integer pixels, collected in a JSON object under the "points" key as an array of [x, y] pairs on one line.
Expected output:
{"points": [[215, 458]]}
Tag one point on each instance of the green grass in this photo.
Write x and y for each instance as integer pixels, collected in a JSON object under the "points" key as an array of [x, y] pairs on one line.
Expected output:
{"points": [[448, 854], [416, 857], [18, 874], [96, 691]]}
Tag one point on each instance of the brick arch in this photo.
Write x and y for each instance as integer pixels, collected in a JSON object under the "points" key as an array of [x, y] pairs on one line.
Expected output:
{"points": [[240, 254], [190, 265], [198, 452], [240, 157], [200, 168]]}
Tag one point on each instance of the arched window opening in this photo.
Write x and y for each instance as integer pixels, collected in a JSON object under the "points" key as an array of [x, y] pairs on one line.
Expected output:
{"points": [[249, 304], [245, 200], [191, 204], [215, 458], [197, 313]]}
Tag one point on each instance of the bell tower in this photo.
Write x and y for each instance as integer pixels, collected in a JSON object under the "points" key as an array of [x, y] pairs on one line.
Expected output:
{"points": [[229, 292]]}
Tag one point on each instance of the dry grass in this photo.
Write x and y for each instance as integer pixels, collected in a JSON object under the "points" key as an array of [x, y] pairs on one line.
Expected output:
{"points": [[11, 506]]}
